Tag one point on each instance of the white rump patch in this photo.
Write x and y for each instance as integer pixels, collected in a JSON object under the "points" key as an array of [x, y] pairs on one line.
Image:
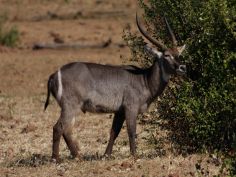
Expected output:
{"points": [[59, 92]]}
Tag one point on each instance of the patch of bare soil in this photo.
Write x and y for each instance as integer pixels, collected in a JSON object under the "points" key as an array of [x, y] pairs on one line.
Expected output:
{"points": [[26, 130]]}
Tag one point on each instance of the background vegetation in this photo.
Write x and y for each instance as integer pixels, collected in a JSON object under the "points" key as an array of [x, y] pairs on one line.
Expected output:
{"points": [[199, 110], [8, 36]]}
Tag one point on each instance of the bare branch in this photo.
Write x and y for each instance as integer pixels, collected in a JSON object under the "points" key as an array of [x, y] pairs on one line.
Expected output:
{"points": [[72, 45]]}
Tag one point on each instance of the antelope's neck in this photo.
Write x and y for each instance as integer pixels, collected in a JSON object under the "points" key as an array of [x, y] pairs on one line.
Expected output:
{"points": [[157, 79]]}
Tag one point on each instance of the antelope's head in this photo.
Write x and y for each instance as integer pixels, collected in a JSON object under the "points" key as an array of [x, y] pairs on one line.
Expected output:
{"points": [[168, 56]]}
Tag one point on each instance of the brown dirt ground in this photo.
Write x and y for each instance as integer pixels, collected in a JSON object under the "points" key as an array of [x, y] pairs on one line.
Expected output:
{"points": [[26, 130]]}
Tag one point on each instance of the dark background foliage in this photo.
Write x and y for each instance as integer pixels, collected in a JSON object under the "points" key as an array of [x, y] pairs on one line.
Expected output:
{"points": [[200, 109]]}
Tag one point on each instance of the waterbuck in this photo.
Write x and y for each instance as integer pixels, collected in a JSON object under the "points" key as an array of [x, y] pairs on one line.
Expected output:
{"points": [[125, 91]]}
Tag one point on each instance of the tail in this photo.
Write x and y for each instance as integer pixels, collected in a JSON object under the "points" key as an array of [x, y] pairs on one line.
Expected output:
{"points": [[49, 92]]}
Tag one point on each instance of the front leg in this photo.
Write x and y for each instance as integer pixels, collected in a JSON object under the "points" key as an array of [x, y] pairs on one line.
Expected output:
{"points": [[115, 130], [131, 116]]}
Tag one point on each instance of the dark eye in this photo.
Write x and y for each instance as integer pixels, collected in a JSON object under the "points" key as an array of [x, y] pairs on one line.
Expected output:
{"points": [[167, 56]]}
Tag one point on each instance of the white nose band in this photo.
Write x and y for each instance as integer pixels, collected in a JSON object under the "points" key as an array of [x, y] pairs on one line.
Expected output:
{"points": [[182, 68]]}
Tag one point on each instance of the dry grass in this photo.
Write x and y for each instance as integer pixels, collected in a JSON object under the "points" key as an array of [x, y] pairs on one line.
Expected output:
{"points": [[26, 146]]}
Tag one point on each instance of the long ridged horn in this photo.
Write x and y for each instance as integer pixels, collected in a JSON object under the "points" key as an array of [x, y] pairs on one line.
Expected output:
{"points": [[153, 41], [171, 33]]}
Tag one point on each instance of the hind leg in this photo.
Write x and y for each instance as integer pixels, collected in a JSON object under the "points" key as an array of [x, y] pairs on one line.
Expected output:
{"points": [[64, 127], [57, 133], [67, 135]]}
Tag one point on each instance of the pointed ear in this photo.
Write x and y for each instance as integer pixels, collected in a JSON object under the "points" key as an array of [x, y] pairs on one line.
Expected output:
{"points": [[153, 51], [181, 49]]}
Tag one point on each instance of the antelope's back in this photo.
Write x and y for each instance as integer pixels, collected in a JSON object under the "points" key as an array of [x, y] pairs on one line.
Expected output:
{"points": [[100, 88]]}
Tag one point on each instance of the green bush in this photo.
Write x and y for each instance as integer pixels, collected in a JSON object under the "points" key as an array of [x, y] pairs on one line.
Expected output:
{"points": [[201, 108], [229, 164], [8, 37]]}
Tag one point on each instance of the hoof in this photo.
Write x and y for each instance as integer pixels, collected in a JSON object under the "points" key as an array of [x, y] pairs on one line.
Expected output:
{"points": [[135, 158], [107, 157], [75, 156], [55, 160], [78, 158]]}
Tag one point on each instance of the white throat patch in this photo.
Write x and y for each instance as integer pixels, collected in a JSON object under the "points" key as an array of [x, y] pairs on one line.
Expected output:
{"points": [[59, 92]]}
